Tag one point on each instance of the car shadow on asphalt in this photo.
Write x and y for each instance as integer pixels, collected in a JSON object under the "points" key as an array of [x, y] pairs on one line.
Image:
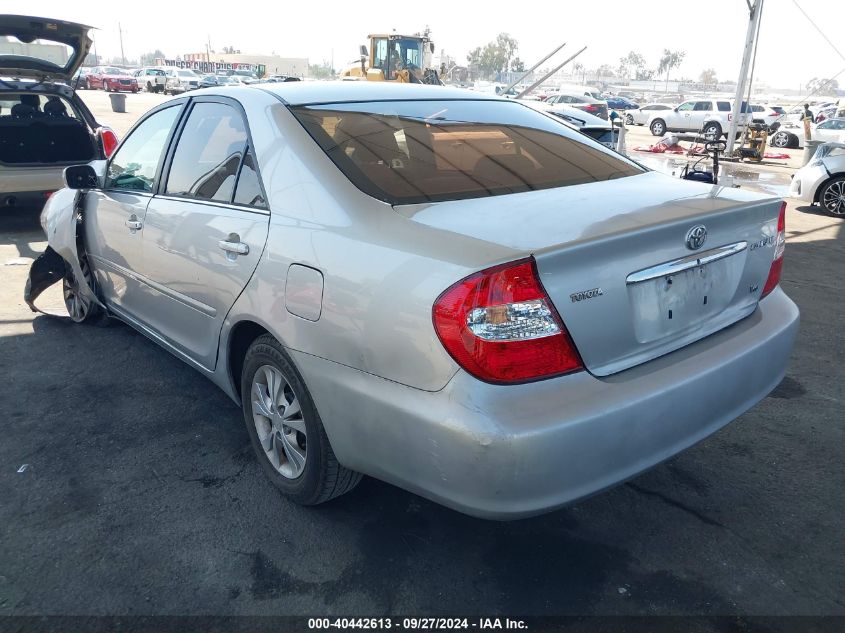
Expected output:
{"points": [[20, 227]]}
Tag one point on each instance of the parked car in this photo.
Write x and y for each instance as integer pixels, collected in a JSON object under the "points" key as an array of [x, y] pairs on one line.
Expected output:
{"points": [[78, 82], [44, 125], [400, 280], [825, 113], [589, 105], [207, 81], [639, 116], [596, 128], [711, 117], [180, 80], [151, 78], [620, 103], [791, 135], [583, 91], [110, 79], [822, 180], [769, 115]]}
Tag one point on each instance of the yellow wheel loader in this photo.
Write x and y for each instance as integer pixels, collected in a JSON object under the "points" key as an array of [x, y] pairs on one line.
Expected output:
{"points": [[395, 57]]}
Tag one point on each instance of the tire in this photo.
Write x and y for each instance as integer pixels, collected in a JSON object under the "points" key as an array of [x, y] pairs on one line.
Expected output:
{"points": [[658, 127], [782, 139], [832, 197], [712, 130], [150, 87], [88, 84], [629, 120], [302, 465], [79, 308]]}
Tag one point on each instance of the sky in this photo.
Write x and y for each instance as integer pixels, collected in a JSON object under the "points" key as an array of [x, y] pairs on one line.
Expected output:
{"points": [[712, 33]]}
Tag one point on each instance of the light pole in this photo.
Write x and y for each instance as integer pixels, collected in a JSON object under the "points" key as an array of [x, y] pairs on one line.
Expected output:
{"points": [[755, 11]]}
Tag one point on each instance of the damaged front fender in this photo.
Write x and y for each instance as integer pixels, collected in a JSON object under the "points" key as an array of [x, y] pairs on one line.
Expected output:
{"points": [[61, 220]]}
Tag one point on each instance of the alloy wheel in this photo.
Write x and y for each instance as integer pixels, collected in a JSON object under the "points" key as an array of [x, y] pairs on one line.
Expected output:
{"points": [[78, 306], [277, 415], [834, 197]]}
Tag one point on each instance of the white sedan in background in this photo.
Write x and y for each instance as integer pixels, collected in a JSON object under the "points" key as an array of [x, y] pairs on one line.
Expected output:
{"points": [[822, 180], [791, 135], [639, 116]]}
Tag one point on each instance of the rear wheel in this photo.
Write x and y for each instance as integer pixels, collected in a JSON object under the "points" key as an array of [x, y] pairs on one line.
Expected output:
{"points": [[149, 87], [658, 127], [782, 139], [712, 130], [629, 120], [285, 428], [832, 197]]}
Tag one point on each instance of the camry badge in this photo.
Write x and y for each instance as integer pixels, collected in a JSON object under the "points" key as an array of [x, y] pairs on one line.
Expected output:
{"points": [[696, 237]]}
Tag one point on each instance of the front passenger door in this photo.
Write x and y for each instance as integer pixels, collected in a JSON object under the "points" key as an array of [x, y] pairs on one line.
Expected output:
{"points": [[114, 215]]}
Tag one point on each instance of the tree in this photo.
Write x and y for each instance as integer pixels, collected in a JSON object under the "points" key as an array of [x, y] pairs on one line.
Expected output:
{"points": [[149, 59], [603, 71], [517, 65], [632, 62], [708, 77], [495, 57], [822, 86], [669, 61], [321, 71]]}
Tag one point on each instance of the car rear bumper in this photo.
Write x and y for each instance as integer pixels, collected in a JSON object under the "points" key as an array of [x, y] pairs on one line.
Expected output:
{"points": [[505, 452], [20, 180]]}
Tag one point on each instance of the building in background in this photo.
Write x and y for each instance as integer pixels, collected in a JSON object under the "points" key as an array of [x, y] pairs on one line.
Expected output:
{"points": [[273, 64], [55, 53]]}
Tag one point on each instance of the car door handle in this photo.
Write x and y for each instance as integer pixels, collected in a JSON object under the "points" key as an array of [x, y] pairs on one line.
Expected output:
{"points": [[235, 247], [133, 223]]}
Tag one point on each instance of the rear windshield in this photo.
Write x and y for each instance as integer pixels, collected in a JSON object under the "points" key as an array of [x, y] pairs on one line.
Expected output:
{"points": [[407, 152]]}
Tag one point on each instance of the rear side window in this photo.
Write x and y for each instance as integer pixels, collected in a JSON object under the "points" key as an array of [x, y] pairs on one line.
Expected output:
{"points": [[724, 106], [702, 106], [406, 152], [208, 155], [248, 191]]}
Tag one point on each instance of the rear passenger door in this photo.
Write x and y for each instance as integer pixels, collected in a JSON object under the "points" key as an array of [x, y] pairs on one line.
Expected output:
{"points": [[205, 230], [114, 215]]}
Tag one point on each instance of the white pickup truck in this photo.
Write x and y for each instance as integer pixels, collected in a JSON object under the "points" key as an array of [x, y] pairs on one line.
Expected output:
{"points": [[151, 79], [711, 117]]}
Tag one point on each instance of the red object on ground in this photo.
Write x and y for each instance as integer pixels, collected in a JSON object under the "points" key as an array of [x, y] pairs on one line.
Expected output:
{"points": [[662, 148]]}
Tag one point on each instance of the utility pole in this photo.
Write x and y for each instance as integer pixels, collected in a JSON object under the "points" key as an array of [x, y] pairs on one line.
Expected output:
{"points": [[549, 74], [755, 11], [532, 69], [120, 32]]}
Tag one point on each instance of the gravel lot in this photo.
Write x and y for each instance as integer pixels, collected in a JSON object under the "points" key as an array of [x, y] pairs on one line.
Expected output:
{"points": [[141, 494]]}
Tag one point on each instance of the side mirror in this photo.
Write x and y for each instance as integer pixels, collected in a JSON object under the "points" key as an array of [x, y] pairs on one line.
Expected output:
{"points": [[364, 51], [81, 177]]}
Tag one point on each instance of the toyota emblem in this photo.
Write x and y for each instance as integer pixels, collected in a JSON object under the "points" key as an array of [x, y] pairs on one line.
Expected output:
{"points": [[696, 237]]}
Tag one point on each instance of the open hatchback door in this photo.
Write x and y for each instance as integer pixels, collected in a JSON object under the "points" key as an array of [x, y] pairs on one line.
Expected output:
{"points": [[41, 48]]}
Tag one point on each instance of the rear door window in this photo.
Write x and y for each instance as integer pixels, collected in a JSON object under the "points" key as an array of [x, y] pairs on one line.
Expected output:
{"points": [[702, 106], [724, 106], [208, 155], [248, 191], [419, 151]]}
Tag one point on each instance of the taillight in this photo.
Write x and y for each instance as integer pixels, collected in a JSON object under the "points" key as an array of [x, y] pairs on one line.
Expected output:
{"points": [[590, 107], [500, 326], [777, 261], [108, 139]]}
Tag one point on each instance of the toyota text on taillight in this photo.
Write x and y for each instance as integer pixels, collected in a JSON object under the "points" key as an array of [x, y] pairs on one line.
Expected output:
{"points": [[777, 260], [500, 326]]}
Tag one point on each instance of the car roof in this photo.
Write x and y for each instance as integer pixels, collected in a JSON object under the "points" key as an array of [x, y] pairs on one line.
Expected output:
{"points": [[309, 92]]}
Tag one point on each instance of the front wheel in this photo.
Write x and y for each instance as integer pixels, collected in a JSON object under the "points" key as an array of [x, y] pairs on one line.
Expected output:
{"points": [[658, 127], [832, 197], [80, 308], [285, 428]]}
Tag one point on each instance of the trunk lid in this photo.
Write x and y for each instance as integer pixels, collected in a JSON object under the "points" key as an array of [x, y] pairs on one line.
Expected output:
{"points": [[41, 48], [614, 259]]}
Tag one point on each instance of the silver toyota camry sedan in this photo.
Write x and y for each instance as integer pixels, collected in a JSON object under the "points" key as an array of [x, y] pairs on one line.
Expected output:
{"points": [[450, 292]]}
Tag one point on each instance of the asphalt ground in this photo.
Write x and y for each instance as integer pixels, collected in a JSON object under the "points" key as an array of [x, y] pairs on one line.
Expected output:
{"points": [[128, 487]]}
